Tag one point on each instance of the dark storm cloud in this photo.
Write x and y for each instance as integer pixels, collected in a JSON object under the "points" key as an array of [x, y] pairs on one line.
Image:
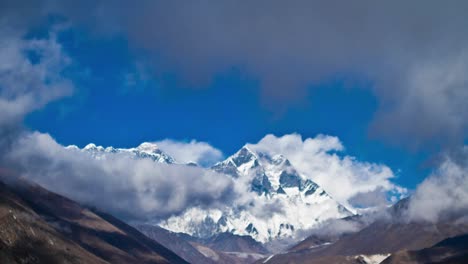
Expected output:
{"points": [[414, 53]]}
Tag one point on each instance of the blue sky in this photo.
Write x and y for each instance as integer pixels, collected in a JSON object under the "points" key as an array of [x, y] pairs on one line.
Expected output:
{"points": [[119, 102], [205, 77]]}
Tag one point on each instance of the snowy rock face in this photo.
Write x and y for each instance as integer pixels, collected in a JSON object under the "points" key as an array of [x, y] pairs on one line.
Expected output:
{"points": [[281, 203], [143, 151], [275, 200]]}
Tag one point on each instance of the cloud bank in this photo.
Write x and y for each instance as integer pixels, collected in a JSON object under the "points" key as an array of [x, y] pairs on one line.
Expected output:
{"points": [[344, 177], [130, 188]]}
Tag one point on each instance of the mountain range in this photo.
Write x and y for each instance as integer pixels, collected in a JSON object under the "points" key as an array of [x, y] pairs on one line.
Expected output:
{"points": [[39, 226], [145, 150], [295, 201]]}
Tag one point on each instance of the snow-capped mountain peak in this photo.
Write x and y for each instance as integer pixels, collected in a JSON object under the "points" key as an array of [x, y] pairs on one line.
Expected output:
{"points": [[93, 147], [265, 181], [270, 174], [145, 150], [243, 156], [72, 147], [273, 181]]}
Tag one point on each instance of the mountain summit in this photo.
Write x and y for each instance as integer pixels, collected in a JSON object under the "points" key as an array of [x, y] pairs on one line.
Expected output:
{"points": [[293, 200], [269, 174], [275, 200], [144, 150]]}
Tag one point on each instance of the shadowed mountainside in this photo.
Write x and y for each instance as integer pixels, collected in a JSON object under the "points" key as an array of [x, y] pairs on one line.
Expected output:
{"points": [[221, 248], [39, 226], [175, 243], [452, 250]]}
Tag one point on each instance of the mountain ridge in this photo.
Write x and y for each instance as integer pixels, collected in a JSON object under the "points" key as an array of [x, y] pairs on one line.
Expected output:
{"points": [[266, 180], [273, 181]]}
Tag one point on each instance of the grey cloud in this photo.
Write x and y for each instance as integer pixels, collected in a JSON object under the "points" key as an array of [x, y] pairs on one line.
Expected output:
{"points": [[129, 188], [375, 198], [444, 194], [413, 53]]}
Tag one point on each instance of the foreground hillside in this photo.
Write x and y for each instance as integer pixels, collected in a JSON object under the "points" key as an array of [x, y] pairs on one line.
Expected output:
{"points": [[38, 226]]}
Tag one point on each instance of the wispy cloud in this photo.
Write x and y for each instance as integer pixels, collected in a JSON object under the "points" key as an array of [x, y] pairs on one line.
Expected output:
{"points": [[28, 85]]}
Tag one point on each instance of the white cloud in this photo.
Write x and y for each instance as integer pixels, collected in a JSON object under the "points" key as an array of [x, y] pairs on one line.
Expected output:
{"points": [[194, 151], [341, 176], [444, 194], [26, 86], [429, 107], [130, 188]]}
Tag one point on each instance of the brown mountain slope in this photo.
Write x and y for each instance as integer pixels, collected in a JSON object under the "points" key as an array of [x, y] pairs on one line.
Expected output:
{"points": [[26, 238], [377, 238], [452, 250], [175, 243], [326, 235], [381, 237], [221, 248], [227, 242], [97, 237]]}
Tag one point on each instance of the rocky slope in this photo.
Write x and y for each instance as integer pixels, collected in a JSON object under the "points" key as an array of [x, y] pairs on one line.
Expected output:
{"points": [[175, 243], [451, 250], [221, 248], [386, 235], [38, 226], [145, 150]]}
